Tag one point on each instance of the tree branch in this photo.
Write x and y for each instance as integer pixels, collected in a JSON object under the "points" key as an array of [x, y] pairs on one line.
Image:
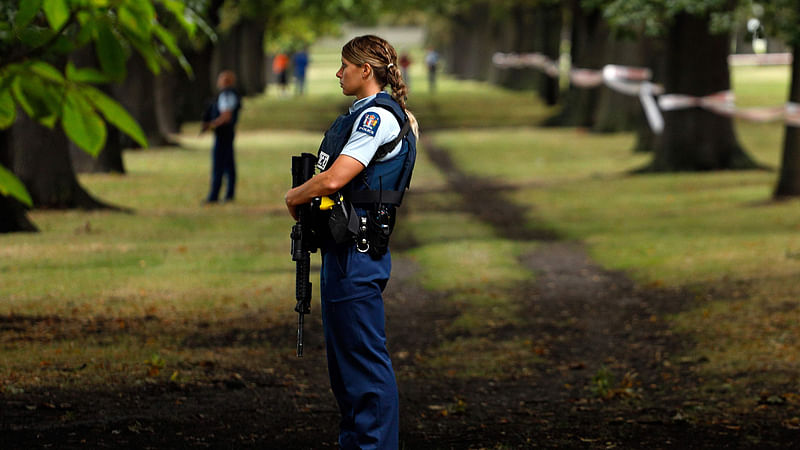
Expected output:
{"points": [[42, 49]]}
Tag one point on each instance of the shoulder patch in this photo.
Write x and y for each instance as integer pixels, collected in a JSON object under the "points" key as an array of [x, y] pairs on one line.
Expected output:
{"points": [[369, 123]]}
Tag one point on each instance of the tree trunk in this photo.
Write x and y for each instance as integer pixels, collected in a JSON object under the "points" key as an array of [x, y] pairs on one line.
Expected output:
{"points": [[40, 158], [696, 139], [789, 180], [616, 111], [137, 94], [474, 41], [529, 30], [550, 22], [109, 160], [589, 34], [192, 96], [165, 86], [241, 50], [13, 214], [250, 68], [519, 36], [110, 157], [226, 55]]}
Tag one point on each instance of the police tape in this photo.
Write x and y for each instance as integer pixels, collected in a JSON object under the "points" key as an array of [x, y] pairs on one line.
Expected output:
{"points": [[635, 81]]}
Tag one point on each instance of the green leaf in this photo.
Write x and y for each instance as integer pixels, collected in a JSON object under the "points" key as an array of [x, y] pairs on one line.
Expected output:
{"points": [[39, 100], [151, 56], [115, 114], [109, 51], [81, 124], [8, 109], [85, 74], [181, 13], [46, 71], [11, 185], [57, 12], [167, 39], [35, 37], [171, 43], [27, 11]]}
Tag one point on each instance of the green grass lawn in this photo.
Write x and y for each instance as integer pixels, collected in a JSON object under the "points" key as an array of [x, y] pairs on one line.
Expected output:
{"points": [[174, 266]]}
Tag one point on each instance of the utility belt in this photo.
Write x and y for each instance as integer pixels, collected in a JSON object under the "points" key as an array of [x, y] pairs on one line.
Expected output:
{"points": [[369, 226]]}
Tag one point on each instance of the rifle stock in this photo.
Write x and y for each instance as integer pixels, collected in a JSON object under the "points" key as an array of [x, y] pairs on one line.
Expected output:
{"points": [[303, 244]]}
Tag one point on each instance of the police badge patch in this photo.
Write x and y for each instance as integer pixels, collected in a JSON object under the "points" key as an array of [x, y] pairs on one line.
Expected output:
{"points": [[322, 161], [369, 123]]}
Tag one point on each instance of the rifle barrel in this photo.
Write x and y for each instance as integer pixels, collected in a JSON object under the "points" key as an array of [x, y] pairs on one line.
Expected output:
{"points": [[300, 320]]}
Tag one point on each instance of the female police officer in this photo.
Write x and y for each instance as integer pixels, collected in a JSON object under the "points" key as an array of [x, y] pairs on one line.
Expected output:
{"points": [[366, 158]]}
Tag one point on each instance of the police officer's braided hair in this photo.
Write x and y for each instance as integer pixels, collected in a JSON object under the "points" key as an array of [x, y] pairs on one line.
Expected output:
{"points": [[382, 57]]}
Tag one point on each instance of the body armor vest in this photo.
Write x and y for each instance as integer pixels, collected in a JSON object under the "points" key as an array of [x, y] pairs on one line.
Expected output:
{"points": [[366, 211], [381, 182], [212, 112]]}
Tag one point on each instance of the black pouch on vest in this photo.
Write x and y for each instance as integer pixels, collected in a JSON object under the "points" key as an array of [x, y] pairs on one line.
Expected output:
{"points": [[343, 223], [380, 223]]}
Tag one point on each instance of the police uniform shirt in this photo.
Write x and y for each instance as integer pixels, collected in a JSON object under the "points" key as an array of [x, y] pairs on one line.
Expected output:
{"points": [[226, 101], [373, 128]]}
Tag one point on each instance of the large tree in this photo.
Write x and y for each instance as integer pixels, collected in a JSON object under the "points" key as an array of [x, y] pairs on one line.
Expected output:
{"points": [[532, 27], [38, 85], [782, 18], [697, 44], [588, 37]]}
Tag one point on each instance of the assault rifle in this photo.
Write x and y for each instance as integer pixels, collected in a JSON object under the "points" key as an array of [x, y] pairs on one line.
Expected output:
{"points": [[303, 244]]}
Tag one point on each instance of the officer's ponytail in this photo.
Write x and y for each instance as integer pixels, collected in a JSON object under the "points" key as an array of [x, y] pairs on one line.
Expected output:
{"points": [[382, 57]]}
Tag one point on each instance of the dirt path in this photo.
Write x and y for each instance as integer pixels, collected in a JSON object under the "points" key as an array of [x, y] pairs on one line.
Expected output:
{"points": [[597, 370]]}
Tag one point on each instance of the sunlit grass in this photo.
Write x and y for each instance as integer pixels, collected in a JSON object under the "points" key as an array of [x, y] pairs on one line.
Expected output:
{"points": [[705, 231], [159, 273]]}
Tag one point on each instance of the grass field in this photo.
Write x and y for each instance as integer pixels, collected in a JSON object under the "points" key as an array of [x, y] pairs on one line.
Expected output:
{"points": [[174, 263]]}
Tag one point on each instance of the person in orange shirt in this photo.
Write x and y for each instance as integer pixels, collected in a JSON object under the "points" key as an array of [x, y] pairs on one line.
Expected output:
{"points": [[280, 65]]}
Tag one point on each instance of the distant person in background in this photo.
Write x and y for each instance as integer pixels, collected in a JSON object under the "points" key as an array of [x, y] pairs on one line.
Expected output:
{"points": [[404, 62], [280, 65], [432, 61], [221, 116], [300, 63]]}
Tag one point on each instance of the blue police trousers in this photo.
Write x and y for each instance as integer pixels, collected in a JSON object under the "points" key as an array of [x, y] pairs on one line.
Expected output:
{"points": [[222, 164], [359, 366]]}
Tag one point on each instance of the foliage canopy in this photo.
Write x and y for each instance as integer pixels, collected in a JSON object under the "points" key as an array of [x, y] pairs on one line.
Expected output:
{"points": [[38, 36]]}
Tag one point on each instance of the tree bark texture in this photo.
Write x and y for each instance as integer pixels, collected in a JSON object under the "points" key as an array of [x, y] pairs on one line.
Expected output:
{"points": [[13, 214], [137, 94], [165, 86], [110, 157], [474, 40], [589, 35], [193, 95], [241, 50], [696, 139], [550, 22], [519, 36], [41, 160], [789, 179], [616, 111], [532, 29], [109, 160]]}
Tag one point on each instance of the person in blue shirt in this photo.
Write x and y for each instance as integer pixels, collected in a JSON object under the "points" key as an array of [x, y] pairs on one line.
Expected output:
{"points": [[221, 117], [300, 63], [366, 156]]}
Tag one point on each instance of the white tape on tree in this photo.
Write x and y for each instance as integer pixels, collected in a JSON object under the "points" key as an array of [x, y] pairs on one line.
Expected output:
{"points": [[651, 111], [635, 81]]}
